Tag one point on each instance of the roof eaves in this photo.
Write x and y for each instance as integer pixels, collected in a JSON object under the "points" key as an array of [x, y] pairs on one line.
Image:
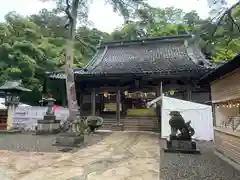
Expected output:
{"points": [[61, 74], [13, 85], [190, 52], [221, 70], [96, 62], [164, 72], [93, 60], [201, 61]]}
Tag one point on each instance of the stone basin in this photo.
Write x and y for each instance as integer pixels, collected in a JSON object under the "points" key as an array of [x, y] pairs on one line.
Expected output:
{"points": [[69, 139]]}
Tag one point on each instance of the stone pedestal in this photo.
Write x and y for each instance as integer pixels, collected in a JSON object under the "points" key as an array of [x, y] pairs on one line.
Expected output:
{"points": [[69, 139], [117, 127], [181, 146], [49, 125]]}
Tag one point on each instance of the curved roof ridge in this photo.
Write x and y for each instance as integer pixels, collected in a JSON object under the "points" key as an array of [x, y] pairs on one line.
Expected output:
{"points": [[192, 49], [146, 40], [98, 61]]}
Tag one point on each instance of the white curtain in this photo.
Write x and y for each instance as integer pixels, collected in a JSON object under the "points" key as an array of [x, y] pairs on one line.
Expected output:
{"points": [[199, 114]]}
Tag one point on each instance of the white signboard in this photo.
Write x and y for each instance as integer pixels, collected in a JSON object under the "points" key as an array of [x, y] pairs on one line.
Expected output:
{"points": [[26, 117]]}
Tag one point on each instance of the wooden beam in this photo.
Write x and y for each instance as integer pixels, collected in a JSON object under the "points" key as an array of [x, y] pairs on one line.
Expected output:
{"points": [[93, 99], [118, 103]]}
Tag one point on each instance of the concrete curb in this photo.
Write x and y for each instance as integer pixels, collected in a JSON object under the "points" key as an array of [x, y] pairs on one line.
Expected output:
{"points": [[229, 161]]}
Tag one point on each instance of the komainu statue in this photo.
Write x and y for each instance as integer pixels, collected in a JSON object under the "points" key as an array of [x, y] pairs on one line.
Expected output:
{"points": [[177, 123], [182, 141]]}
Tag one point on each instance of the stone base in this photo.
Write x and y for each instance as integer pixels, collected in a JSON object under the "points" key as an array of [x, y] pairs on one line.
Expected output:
{"points": [[182, 147], [48, 127], [13, 131], [69, 139], [117, 127], [49, 117]]}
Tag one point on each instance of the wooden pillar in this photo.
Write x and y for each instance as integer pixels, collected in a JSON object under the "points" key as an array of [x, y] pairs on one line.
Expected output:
{"points": [[159, 107], [93, 99], [101, 96], [118, 104], [214, 114], [189, 94], [158, 93]]}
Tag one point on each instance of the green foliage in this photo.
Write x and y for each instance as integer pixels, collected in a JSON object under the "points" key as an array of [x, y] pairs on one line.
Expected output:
{"points": [[31, 46], [218, 41]]}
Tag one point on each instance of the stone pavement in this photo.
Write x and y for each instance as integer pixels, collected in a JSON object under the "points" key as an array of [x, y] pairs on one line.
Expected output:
{"points": [[206, 166], [120, 156]]}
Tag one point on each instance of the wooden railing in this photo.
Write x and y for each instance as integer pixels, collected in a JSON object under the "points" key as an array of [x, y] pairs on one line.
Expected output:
{"points": [[234, 122]]}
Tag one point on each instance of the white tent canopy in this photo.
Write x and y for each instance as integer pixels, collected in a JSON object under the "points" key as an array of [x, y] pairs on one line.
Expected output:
{"points": [[199, 114]]}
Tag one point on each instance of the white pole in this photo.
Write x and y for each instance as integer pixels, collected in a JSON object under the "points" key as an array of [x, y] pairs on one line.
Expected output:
{"points": [[161, 94], [156, 100]]}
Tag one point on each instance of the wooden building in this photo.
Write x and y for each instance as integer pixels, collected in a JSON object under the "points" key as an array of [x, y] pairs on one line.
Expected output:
{"points": [[225, 87], [124, 67]]}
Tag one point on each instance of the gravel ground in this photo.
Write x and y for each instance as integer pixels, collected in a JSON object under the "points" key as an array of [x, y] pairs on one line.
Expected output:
{"points": [[41, 143], [205, 166]]}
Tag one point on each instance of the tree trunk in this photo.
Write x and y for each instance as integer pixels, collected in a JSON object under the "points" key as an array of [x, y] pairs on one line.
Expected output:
{"points": [[70, 83]]}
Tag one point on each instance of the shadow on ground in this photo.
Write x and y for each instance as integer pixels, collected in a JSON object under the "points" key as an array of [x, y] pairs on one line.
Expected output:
{"points": [[43, 143], [205, 166]]}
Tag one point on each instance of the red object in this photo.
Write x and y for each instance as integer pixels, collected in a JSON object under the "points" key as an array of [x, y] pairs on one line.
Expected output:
{"points": [[56, 108]]}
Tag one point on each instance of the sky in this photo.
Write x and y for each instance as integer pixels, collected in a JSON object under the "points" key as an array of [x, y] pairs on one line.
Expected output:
{"points": [[101, 14]]}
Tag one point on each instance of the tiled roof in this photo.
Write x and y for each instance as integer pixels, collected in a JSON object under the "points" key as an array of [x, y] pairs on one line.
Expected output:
{"points": [[56, 75], [60, 74], [13, 85], [159, 55], [163, 56]]}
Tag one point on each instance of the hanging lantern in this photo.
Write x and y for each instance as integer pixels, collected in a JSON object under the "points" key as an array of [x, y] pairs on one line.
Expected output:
{"points": [[105, 94], [171, 92]]}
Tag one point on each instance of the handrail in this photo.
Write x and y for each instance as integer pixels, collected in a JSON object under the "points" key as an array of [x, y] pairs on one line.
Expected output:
{"points": [[231, 121]]}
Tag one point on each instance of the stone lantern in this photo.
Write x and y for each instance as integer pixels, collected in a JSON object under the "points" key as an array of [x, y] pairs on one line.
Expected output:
{"points": [[49, 124], [12, 91]]}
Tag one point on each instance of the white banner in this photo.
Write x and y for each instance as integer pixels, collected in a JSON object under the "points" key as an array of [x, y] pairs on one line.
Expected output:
{"points": [[26, 117]]}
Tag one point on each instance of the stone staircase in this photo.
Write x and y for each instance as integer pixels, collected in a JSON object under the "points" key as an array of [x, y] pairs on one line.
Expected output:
{"points": [[141, 124]]}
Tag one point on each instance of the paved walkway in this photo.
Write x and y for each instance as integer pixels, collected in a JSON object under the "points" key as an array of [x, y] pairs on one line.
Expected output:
{"points": [[120, 156]]}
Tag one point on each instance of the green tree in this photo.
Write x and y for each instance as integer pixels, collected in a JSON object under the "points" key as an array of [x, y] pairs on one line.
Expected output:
{"points": [[78, 9], [32, 45]]}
